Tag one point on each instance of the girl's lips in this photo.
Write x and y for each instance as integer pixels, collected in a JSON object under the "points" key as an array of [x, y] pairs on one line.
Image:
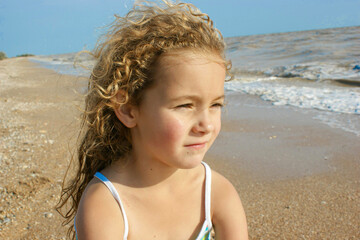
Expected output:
{"points": [[196, 145]]}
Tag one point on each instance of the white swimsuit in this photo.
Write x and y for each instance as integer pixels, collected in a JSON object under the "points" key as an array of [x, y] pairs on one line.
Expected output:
{"points": [[207, 225]]}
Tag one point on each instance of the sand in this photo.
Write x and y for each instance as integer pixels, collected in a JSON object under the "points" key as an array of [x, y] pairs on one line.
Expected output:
{"points": [[297, 177]]}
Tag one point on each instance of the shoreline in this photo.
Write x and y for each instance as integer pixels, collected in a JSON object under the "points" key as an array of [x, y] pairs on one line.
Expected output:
{"points": [[280, 142], [297, 177]]}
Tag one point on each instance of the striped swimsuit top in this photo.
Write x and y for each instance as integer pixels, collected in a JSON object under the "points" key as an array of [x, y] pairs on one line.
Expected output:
{"points": [[205, 232]]}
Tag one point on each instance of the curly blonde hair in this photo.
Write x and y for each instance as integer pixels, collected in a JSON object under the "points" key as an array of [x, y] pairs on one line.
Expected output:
{"points": [[125, 58]]}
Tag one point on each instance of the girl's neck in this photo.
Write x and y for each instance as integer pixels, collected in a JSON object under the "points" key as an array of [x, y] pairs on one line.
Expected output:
{"points": [[145, 173]]}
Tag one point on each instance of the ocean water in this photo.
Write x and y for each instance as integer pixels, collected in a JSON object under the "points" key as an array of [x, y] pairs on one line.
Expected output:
{"points": [[315, 70], [68, 63], [312, 69]]}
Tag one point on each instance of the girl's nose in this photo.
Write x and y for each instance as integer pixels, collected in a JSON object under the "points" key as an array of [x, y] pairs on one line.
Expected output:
{"points": [[203, 124]]}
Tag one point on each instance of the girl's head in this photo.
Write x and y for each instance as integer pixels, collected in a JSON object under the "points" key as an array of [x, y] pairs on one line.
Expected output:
{"points": [[127, 65]]}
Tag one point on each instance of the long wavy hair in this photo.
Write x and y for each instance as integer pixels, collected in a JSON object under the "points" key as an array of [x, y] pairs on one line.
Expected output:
{"points": [[125, 56]]}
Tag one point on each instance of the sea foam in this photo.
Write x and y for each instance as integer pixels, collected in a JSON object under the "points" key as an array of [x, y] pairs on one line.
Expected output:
{"points": [[327, 99]]}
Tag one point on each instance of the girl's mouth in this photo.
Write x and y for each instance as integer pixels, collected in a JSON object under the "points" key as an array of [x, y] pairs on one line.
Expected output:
{"points": [[196, 145]]}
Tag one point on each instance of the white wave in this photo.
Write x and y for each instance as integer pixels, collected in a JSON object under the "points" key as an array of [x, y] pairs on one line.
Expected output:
{"points": [[333, 100]]}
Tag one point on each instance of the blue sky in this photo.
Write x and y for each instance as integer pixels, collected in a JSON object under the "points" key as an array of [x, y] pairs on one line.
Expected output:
{"points": [[45, 27]]}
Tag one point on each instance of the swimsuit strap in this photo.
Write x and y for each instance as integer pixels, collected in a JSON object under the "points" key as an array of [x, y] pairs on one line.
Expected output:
{"points": [[207, 225], [207, 194], [115, 194]]}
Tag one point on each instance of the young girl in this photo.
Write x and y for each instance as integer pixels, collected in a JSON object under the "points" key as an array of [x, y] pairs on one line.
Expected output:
{"points": [[152, 112]]}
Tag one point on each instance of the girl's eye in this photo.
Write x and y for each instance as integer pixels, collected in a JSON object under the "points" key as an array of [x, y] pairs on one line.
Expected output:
{"points": [[217, 105], [187, 105]]}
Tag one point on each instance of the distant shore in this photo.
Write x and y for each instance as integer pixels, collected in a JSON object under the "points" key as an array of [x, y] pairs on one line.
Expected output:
{"points": [[297, 178]]}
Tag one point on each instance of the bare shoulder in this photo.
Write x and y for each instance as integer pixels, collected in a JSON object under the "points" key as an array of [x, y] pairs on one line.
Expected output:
{"points": [[98, 215], [228, 213]]}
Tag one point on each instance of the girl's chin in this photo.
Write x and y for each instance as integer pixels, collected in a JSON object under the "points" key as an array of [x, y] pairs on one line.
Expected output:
{"points": [[191, 163]]}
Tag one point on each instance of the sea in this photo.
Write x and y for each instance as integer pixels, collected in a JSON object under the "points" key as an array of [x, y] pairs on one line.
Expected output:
{"points": [[317, 70]]}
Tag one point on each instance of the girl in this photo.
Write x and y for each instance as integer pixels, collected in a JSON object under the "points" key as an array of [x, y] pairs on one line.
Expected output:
{"points": [[152, 112]]}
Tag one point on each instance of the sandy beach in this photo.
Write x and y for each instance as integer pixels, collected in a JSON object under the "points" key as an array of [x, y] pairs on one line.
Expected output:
{"points": [[297, 177]]}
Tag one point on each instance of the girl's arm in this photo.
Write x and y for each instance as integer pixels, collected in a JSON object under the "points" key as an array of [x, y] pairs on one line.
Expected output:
{"points": [[228, 213]]}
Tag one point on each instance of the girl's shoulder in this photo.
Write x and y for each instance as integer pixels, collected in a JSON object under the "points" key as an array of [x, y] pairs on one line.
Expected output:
{"points": [[97, 212], [228, 214], [222, 190]]}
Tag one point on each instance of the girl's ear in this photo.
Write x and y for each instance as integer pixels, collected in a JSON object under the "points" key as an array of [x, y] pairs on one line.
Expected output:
{"points": [[126, 113]]}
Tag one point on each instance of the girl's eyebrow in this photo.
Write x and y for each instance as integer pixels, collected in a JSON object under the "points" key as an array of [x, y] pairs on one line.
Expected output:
{"points": [[222, 97], [194, 97]]}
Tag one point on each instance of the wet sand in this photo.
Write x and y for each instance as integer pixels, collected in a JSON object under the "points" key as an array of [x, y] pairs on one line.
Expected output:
{"points": [[297, 178]]}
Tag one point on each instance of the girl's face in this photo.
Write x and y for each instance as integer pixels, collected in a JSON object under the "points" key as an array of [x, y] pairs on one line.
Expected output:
{"points": [[179, 117]]}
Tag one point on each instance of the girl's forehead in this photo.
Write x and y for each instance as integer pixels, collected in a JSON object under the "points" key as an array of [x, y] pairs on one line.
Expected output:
{"points": [[180, 68], [179, 61], [185, 74]]}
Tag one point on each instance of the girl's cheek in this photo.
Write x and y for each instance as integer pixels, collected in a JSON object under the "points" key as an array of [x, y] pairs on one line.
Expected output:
{"points": [[217, 127], [174, 129]]}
